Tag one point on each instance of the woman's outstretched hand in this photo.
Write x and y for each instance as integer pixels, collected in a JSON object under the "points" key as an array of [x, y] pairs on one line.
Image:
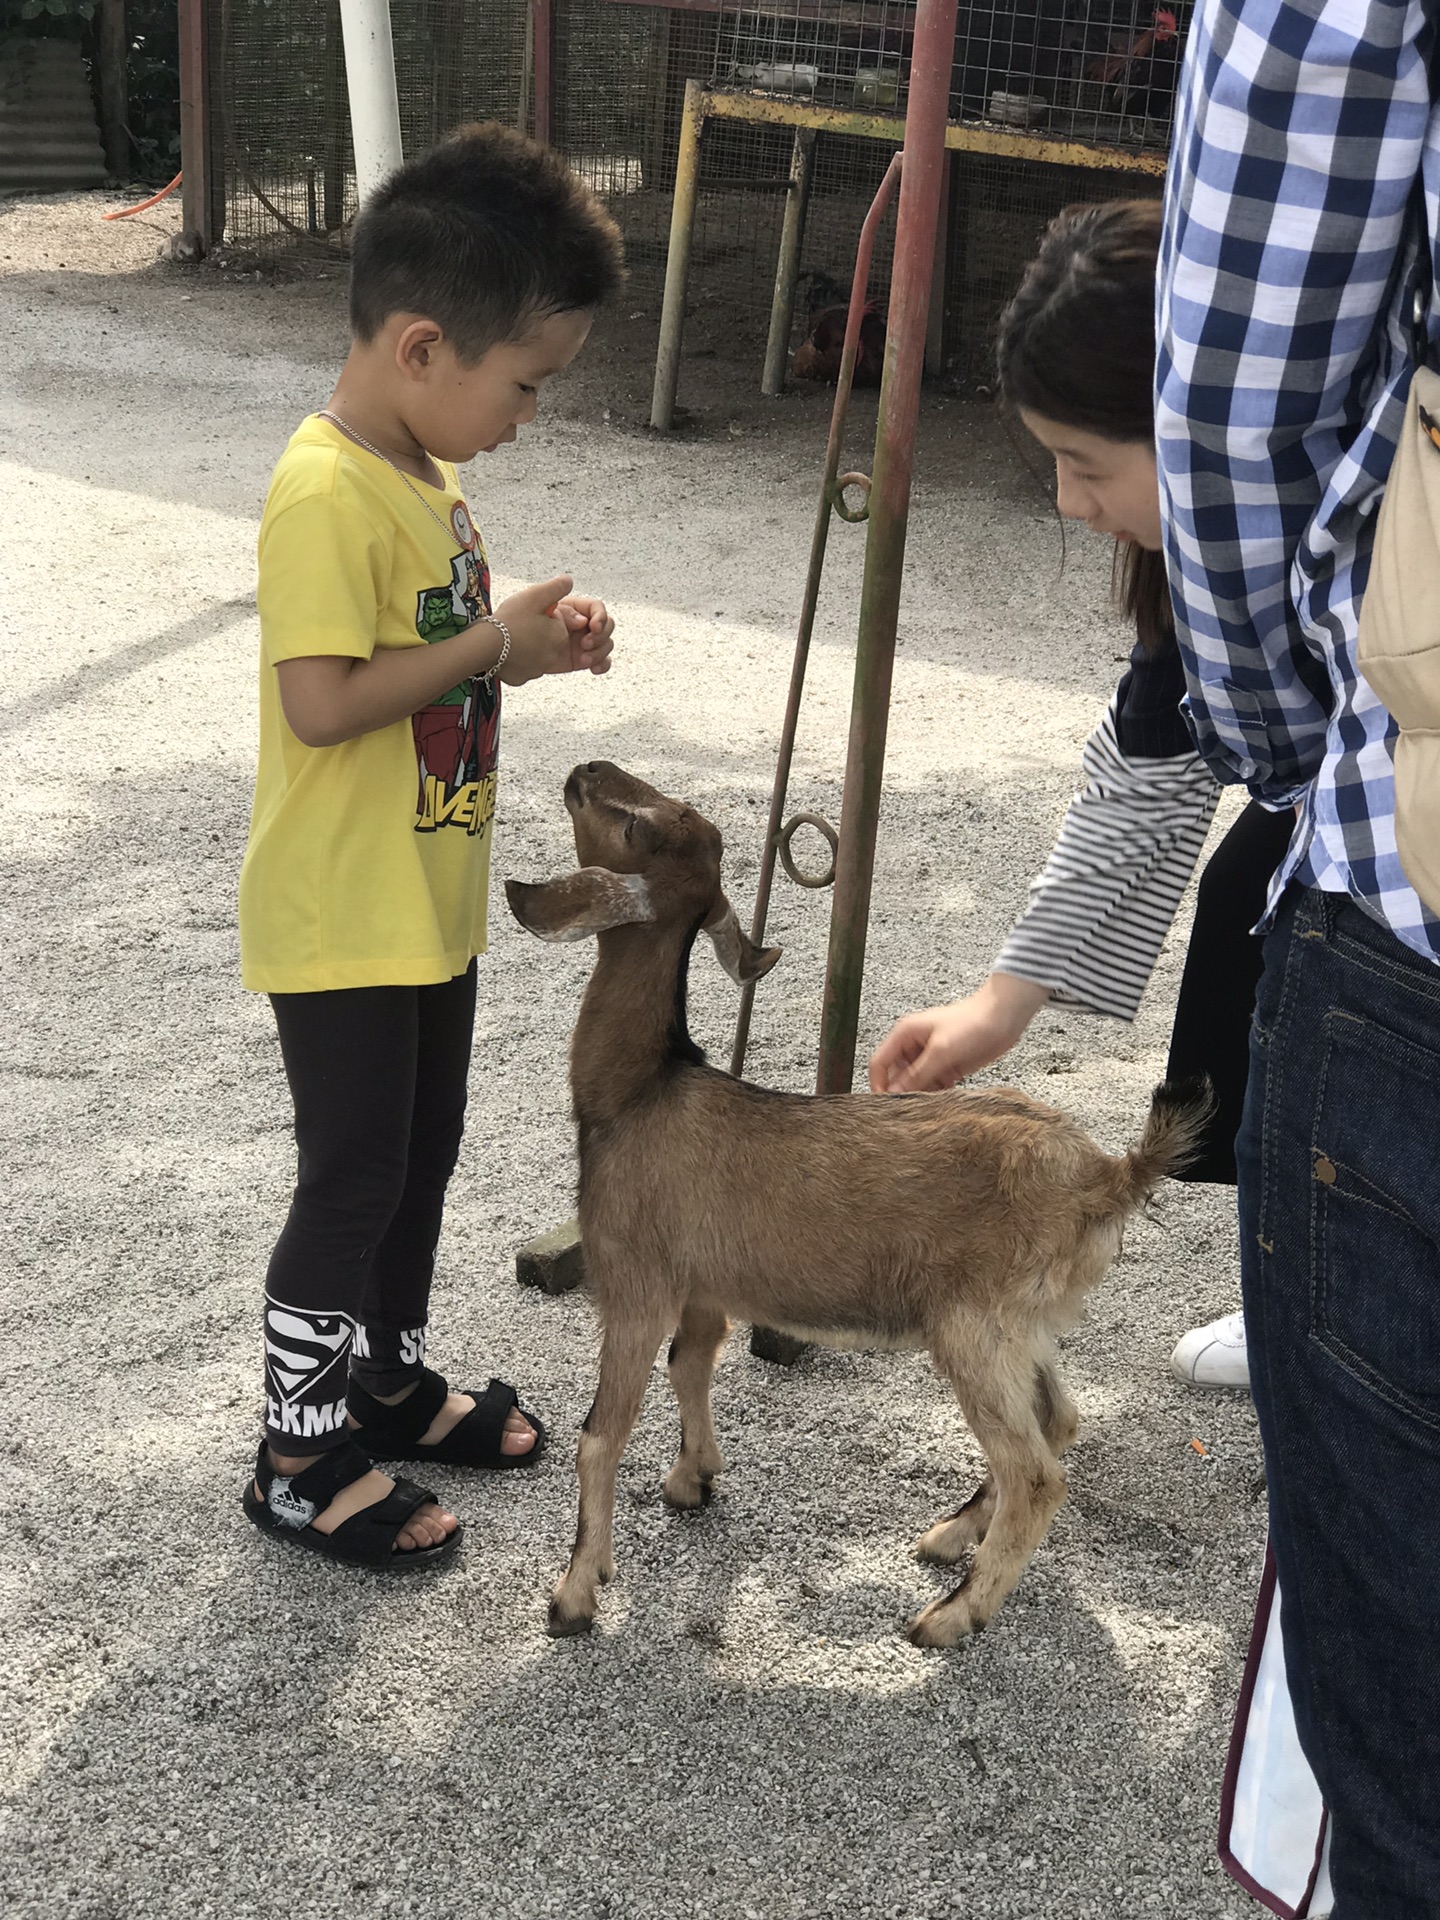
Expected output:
{"points": [[942, 1045]]}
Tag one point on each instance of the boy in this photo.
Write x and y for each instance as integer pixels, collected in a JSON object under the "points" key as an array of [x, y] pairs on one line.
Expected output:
{"points": [[476, 270]]}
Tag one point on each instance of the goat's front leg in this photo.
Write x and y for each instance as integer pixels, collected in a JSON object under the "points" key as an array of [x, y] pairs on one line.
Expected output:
{"points": [[693, 1353], [1002, 1399], [949, 1539], [627, 1354]]}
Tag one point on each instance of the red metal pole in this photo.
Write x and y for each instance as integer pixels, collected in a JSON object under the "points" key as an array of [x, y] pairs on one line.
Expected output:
{"points": [[932, 59]]}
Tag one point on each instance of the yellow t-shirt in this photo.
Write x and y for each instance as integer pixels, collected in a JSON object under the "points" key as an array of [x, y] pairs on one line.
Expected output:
{"points": [[368, 862]]}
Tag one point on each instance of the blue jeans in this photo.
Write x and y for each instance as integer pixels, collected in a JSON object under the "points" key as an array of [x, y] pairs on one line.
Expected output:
{"points": [[1339, 1169]]}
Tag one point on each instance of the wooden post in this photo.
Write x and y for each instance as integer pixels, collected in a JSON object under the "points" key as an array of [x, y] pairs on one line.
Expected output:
{"points": [[543, 14], [336, 122], [451, 75], [200, 192], [527, 73], [111, 67]]}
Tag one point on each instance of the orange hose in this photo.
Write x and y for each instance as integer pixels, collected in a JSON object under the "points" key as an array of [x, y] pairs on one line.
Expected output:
{"points": [[124, 213]]}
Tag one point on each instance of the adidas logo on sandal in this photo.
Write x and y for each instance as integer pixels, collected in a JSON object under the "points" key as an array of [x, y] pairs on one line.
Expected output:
{"points": [[287, 1506]]}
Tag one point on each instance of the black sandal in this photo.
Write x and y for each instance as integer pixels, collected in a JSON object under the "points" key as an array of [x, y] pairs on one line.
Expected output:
{"points": [[393, 1433], [287, 1503]]}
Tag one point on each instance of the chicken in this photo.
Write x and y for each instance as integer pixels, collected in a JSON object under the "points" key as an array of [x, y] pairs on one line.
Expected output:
{"points": [[819, 353]]}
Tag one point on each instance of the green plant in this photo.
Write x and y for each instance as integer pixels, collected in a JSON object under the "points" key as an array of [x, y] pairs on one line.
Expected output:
{"points": [[154, 86]]}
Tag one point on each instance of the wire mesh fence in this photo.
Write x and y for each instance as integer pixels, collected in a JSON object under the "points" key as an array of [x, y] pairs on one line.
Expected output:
{"points": [[997, 212], [1098, 71], [1101, 71]]}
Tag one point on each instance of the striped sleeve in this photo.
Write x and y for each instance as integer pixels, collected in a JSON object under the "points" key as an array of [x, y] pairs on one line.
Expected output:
{"points": [[1099, 913]]}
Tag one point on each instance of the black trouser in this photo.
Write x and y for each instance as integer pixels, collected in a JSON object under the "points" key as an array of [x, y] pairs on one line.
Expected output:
{"points": [[1211, 1034], [378, 1076]]}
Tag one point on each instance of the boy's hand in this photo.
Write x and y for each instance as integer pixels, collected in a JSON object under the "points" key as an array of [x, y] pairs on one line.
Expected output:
{"points": [[553, 631], [539, 638], [591, 631]]}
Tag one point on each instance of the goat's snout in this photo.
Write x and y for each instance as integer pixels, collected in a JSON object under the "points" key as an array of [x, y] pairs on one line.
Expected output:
{"points": [[601, 780], [582, 779]]}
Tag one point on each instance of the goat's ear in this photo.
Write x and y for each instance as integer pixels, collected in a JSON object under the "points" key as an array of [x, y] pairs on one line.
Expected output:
{"points": [[734, 949], [580, 904]]}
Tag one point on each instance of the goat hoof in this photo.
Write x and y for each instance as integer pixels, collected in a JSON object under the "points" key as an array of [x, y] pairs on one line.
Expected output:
{"points": [[688, 1496], [567, 1626], [938, 1548], [944, 1624]]}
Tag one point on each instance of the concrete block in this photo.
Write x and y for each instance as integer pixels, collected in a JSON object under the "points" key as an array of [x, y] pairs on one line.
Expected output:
{"points": [[778, 1348], [554, 1262]]}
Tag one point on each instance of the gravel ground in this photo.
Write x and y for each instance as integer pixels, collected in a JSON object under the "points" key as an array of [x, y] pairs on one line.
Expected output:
{"points": [[189, 1725]]}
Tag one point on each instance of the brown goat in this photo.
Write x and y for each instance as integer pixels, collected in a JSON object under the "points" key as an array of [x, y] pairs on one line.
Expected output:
{"points": [[969, 1223]]}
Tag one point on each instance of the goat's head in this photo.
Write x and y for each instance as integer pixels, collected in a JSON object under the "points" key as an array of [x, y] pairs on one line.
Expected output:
{"points": [[644, 860]]}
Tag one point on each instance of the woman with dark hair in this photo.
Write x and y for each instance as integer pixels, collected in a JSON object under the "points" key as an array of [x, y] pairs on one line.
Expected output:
{"points": [[1076, 357]]}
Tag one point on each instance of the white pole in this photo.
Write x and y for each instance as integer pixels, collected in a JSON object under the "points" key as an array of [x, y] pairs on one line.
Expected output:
{"points": [[374, 102]]}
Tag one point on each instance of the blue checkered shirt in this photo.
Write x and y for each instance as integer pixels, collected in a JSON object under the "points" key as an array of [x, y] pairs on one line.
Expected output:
{"points": [[1290, 242]]}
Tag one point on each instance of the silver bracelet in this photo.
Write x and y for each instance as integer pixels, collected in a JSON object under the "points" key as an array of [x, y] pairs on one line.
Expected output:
{"points": [[489, 620]]}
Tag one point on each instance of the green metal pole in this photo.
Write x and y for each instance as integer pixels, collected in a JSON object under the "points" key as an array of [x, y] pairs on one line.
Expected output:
{"points": [[787, 267]]}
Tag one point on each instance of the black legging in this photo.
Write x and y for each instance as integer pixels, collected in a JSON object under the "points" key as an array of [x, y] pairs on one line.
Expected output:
{"points": [[378, 1076], [1211, 1034]]}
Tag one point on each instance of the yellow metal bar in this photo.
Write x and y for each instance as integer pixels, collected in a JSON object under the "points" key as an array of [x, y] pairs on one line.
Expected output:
{"points": [[758, 109], [1052, 152], [766, 110]]}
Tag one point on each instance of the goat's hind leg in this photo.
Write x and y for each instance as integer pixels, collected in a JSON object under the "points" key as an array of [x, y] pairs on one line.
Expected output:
{"points": [[950, 1539], [627, 1354], [1057, 1413], [693, 1353], [1010, 1414]]}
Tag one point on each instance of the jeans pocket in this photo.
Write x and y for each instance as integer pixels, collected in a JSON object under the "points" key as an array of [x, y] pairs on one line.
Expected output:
{"points": [[1375, 1213]]}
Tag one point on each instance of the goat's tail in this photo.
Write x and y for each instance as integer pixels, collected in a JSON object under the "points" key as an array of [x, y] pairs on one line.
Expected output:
{"points": [[1180, 1110]]}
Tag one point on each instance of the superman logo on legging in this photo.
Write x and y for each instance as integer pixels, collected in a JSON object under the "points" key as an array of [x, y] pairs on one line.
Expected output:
{"points": [[457, 737], [306, 1358]]}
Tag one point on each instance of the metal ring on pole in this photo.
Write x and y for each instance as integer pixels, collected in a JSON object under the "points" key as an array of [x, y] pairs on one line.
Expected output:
{"points": [[787, 860], [842, 506]]}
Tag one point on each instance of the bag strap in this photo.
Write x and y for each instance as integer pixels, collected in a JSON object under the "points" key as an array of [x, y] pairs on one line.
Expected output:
{"points": [[1423, 288]]}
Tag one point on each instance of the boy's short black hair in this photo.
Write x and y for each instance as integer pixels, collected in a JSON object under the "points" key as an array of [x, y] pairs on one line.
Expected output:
{"points": [[485, 234]]}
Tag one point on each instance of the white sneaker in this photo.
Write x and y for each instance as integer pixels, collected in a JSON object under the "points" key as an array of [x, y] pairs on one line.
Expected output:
{"points": [[1213, 1356]]}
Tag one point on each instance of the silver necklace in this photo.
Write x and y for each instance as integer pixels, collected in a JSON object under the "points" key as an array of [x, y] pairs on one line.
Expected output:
{"points": [[488, 619], [324, 413]]}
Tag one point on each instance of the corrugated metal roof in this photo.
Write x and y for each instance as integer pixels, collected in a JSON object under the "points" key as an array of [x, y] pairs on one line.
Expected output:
{"points": [[49, 141]]}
